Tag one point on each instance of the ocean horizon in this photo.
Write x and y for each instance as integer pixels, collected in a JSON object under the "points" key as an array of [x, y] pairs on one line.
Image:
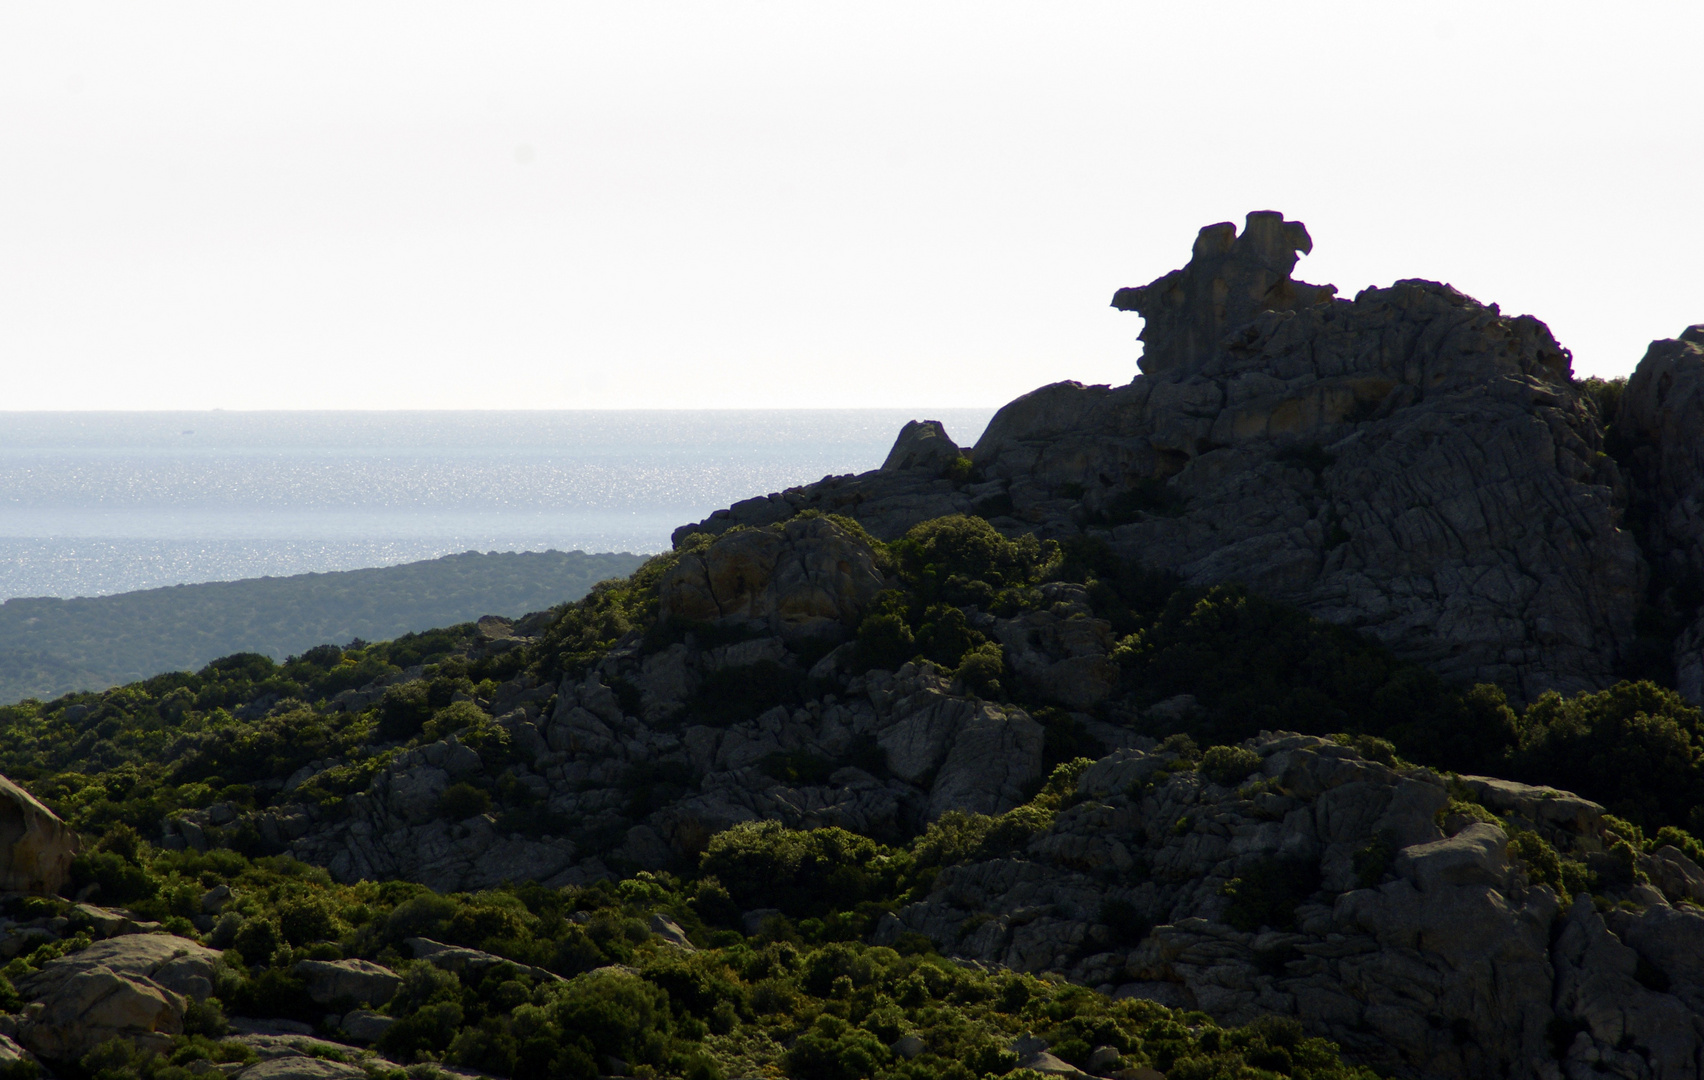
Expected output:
{"points": [[95, 503]]}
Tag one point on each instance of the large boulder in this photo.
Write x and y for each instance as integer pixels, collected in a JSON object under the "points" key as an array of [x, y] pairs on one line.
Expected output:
{"points": [[922, 444], [360, 981], [36, 848], [807, 578], [135, 987]]}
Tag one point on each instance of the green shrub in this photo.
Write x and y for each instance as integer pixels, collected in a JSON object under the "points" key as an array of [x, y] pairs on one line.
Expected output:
{"points": [[962, 560], [834, 1050], [1543, 865], [1373, 861], [1253, 665], [454, 717], [981, 669], [762, 864], [403, 711], [622, 1015], [460, 801], [257, 940], [425, 915], [1267, 893], [272, 992], [1636, 747], [304, 919], [428, 1030], [119, 881], [1229, 765]]}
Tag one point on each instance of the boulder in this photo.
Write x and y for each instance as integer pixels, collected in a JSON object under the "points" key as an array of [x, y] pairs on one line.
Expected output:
{"points": [[36, 848], [1230, 281], [134, 987], [1478, 855], [363, 1025], [807, 578], [922, 444], [1048, 1065], [360, 981], [670, 932], [459, 959], [1062, 650], [302, 1067]]}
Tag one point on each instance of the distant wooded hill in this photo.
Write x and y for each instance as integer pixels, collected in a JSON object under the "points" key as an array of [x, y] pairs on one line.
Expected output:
{"points": [[50, 646]]}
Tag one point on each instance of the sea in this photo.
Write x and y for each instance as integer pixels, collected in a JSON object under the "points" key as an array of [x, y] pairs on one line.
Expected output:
{"points": [[94, 503]]}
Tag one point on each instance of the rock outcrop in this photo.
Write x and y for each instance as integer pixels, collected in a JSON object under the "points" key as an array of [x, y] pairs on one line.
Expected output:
{"points": [[1355, 897], [809, 578], [135, 987], [922, 444], [887, 753], [36, 848], [1411, 463], [1658, 423]]}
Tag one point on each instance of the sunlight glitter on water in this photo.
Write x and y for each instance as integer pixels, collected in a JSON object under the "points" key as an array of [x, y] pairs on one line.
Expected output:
{"points": [[96, 503]]}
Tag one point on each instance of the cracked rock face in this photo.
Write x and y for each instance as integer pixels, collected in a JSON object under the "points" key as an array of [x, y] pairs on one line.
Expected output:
{"points": [[1410, 463], [1423, 954], [925, 749]]}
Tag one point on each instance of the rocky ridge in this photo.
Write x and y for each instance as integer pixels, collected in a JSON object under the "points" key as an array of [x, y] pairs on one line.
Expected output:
{"points": [[1411, 463], [1390, 914]]}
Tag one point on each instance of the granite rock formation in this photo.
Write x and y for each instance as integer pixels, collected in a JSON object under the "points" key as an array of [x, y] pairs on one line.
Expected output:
{"points": [[136, 986], [1411, 463], [1407, 930], [937, 749]]}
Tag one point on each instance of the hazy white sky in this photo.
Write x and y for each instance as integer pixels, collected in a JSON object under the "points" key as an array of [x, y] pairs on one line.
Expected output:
{"points": [[526, 205]]}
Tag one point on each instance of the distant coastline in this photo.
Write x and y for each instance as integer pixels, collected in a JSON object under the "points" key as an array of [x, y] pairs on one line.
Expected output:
{"points": [[50, 647], [100, 503]]}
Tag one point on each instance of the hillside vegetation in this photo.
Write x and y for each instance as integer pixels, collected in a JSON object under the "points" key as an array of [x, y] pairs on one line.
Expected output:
{"points": [[754, 957], [50, 647]]}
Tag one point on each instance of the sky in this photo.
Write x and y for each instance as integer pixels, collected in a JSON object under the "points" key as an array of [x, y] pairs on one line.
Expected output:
{"points": [[756, 204]]}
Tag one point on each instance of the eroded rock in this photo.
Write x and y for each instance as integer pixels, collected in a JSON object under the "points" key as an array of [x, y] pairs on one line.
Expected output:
{"points": [[135, 987]]}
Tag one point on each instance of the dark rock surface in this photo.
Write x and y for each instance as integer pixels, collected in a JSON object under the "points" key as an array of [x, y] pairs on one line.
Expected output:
{"points": [[1410, 937], [1660, 424]]}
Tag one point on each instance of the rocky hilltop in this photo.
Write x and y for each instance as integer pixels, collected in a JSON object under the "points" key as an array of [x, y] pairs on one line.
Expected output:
{"points": [[1167, 732], [1411, 463]]}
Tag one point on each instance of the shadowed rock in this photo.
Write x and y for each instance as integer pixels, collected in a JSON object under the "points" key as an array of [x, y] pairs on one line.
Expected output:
{"points": [[1411, 463], [810, 578]]}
